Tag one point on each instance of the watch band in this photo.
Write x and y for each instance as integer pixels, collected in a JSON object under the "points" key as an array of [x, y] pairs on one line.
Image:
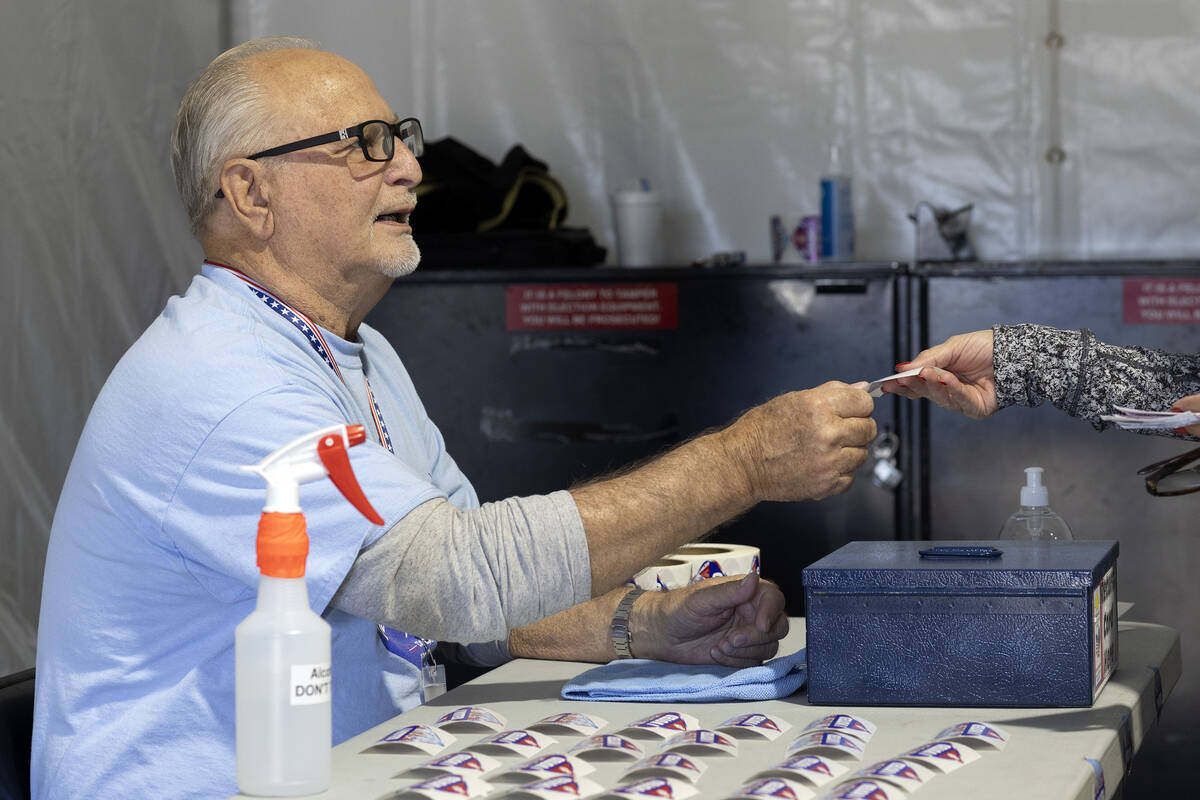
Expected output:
{"points": [[622, 640]]}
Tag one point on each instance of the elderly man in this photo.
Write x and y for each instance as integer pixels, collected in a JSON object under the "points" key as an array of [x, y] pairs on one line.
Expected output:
{"points": [[298, 180]]}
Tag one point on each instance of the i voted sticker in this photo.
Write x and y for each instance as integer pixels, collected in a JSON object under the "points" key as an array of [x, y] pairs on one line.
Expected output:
{"points": [[515, 741], [470, 718], [908, 775], [979, 732], [569, 722], [945, 755], [460, 763], [827, 740], [781, 788], [448, 786], [662, 725], [545, 766], [668, 765], [844, 723], [662, 788], [755, 725], [557, 787], [702, 742], [607, 747], [813, 768], [415, 737], [865, 790]]}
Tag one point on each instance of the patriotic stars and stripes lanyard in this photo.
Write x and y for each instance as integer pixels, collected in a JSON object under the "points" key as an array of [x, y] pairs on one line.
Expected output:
{"points": [[414, 649]]}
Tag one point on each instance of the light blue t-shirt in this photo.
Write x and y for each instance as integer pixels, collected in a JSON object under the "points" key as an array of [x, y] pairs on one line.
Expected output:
{"points": [[151, 561]]}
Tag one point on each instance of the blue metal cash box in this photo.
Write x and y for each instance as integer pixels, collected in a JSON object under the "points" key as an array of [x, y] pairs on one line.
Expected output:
{"points": [[980, 623]]}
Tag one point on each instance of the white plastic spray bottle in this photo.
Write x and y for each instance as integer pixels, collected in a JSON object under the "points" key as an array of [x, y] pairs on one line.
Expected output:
{"points": [[1034, 519], [282, 649]]}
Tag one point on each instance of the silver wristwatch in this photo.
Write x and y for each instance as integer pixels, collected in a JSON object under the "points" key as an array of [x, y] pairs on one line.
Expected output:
{"points": [[622, 642]]}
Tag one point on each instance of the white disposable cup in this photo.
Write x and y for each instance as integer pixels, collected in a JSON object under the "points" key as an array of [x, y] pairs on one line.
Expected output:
{"points": [[639, 222]]}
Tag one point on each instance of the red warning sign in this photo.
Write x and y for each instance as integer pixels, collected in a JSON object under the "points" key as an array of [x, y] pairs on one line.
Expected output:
{"points": [[592, 306], [1162, 300]]}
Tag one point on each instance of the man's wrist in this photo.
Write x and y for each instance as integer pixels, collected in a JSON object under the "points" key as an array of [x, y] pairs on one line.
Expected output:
{"points": [[620, 629]]}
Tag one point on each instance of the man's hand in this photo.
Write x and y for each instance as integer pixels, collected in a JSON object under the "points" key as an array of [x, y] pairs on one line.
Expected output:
{"points": [[1189, 403], [736, 622], [803, 445], [957, 375]]}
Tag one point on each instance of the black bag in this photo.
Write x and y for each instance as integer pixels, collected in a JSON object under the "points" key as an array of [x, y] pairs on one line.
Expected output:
{"points": [[473, 213]]}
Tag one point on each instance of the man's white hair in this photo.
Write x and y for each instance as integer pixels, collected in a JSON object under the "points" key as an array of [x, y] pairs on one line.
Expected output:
{"points": [[222, 115]]}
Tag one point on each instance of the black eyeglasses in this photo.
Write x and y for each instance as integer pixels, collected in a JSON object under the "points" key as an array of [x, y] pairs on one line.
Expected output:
{"points": [[376, 137], [1176, 475]]}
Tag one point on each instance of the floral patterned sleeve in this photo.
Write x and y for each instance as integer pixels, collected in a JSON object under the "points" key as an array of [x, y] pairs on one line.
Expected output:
{"points": [[1084, 376]]}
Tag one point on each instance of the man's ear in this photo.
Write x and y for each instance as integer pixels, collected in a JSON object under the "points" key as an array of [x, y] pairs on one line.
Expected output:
{"points": [[247, 196]]}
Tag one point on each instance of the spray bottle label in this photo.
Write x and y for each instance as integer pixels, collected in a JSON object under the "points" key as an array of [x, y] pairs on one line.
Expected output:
{"points": [[311, 684]]}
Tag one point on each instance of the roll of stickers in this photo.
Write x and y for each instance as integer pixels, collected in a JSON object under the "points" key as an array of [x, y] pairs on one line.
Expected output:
{"points": [[668, 573], [712, 560], [697, 562]]}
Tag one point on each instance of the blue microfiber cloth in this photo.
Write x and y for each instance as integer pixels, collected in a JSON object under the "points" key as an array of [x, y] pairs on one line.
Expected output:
{"points": [[642, 680]]}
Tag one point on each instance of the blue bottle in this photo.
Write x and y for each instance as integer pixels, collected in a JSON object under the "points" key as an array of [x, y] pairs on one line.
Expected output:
{"points": [[837, 211]]}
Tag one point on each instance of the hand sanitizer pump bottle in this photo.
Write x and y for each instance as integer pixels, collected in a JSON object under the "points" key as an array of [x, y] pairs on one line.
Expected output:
{"points": [[1034, 520], [283, 677]]}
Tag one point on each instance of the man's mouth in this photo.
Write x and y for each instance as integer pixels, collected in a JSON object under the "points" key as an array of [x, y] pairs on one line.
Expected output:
{"points": [[395, 216]]}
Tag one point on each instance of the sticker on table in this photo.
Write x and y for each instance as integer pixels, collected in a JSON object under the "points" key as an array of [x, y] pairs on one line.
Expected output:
{"points": [[908, 775], [415, 737], [816, 770], [542, 767], [827, 741], [607, 747], [980, 732], [557, 787], [946, 756], [471, 719], [701, 742], [865, 789], [570, 722], [755, 725], [843, 723], [521, 742], [781, 788], [664, 788], [662, 725], [668, 765], [447, 786], [460, 763]]}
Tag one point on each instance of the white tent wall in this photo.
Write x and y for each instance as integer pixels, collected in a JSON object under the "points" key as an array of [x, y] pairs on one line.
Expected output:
{"points": [[727, 107], [94, 238]]}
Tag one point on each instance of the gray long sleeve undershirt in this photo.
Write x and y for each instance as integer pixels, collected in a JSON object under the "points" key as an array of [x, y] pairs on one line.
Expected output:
{"points": [[471, 576]]}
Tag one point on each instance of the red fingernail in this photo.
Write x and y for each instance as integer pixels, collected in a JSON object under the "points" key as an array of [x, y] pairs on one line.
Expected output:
{"points": [[902, 365], [1182, 431], [1176, 409]]}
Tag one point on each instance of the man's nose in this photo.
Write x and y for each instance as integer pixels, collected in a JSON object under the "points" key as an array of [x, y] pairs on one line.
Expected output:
{"points": [[403, 169]]}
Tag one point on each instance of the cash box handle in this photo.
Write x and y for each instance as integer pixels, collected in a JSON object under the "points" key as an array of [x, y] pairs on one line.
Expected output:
{"points": [[961, 551]]}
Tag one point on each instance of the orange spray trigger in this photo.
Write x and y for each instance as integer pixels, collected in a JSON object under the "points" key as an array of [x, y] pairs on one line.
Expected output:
{"points": [[336, 460]]}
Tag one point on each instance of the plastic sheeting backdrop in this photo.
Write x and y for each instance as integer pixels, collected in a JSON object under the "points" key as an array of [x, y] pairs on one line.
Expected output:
{"points": [[728, 108]]}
